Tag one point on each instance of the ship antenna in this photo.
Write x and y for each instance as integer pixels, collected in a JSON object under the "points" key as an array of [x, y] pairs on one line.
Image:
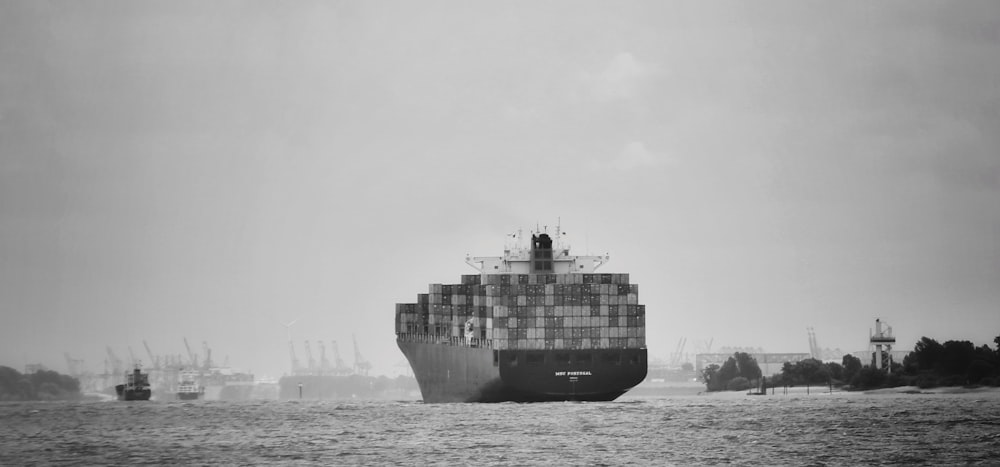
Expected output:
{"points": [[558, 232]]}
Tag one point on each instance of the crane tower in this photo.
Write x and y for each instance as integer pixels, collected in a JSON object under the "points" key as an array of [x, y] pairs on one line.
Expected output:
{"points": [[361, 366], [310, 359]]}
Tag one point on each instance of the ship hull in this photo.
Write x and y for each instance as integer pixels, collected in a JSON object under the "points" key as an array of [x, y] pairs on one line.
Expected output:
{"points": [[452, 373], [188, 396], [132, 394]]}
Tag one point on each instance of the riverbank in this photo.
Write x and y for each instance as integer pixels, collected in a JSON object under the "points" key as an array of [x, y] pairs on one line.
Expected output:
{"points": [[646, 390], [938, 390]]}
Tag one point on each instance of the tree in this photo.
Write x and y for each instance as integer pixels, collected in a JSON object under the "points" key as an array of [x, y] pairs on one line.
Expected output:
{"points": [[747, 366], [46, 385], [852, 365], [979, 370], [926, 356], [738, 383], [835, 370], [728, 371], [710, 376], [956, 357], [740, 365], [869, 377]]}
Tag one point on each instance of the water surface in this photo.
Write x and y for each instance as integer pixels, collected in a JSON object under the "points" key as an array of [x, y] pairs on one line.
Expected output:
{"points": [[815, 429]]}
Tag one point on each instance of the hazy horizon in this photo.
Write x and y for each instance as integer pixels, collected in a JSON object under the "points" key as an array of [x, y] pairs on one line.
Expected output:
{"points": [[209, 171]]}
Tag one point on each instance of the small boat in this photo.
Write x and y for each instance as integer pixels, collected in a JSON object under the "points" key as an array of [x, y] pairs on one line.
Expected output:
{"points": [[136, 387], [188, 389]]}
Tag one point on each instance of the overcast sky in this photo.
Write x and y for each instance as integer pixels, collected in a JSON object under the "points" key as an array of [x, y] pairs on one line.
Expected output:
{"points": [[209, 170]]}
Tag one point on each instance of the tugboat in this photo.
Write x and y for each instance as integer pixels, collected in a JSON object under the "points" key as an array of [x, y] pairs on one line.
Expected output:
{"points": [[536, 324], [188, 390], [136, 387]]}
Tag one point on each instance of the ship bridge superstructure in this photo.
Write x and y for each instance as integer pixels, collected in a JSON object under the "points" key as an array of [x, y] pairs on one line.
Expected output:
{"points": [[541, 254]]}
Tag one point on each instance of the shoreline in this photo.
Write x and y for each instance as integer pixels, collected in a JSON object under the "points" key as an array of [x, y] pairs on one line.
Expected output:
{"points": [[936, 390], [687, 389]]}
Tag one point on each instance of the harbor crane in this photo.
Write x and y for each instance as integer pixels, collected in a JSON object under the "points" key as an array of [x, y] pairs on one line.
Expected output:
{"points": [[814, 350], [310, 359], [324, 364], [339, 367], [296, 369], [131, 354], [361, 366], [191, 355], [114, 362], [152, 359], [208, 356], [675, 358], [706, 346]]}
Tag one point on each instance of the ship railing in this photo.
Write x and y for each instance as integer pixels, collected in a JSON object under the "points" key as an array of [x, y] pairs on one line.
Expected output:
{"points": [[441, 339]]}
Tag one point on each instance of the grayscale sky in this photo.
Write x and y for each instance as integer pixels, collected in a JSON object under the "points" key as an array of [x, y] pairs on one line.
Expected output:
{"points": [[210, 170]]}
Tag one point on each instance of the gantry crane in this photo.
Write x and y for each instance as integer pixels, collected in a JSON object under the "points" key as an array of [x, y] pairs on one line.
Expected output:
{"points": [[207, 363], [361, 366], [339, 367], [115, 362], [675, 358], [324, 364], [152, 359], [310, 360], [814, 350], [131, 355], [296, 369], [191, 355]]}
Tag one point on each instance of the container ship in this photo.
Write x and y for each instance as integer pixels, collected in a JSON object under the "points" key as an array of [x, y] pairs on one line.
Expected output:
{"points": [[535, 324]]}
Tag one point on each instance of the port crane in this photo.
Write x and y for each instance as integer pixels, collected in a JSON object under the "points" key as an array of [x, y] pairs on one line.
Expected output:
{"points": [[706, 346], [296, 369], [675, 358], [191, 355], [339, 368], [361, 366], [324, 364], [131, 355], [310, 359], [814, 350], [152, 358], [114, 362], [208, 356]]}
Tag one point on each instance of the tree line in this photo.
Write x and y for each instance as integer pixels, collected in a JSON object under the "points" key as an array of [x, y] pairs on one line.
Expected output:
{"points": [[930, 364], [40, 385]]}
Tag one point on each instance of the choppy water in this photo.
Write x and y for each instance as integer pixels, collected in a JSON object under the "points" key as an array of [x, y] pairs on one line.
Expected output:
{"points": [[819, 429]]}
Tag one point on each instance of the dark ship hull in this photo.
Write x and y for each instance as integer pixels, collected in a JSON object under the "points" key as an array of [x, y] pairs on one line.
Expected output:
{"points": [[142, 394], [188, 396], [449, 373]]}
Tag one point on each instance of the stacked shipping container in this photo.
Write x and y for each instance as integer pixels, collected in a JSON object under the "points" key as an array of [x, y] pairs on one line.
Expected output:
{"points": [[530, 311]]}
